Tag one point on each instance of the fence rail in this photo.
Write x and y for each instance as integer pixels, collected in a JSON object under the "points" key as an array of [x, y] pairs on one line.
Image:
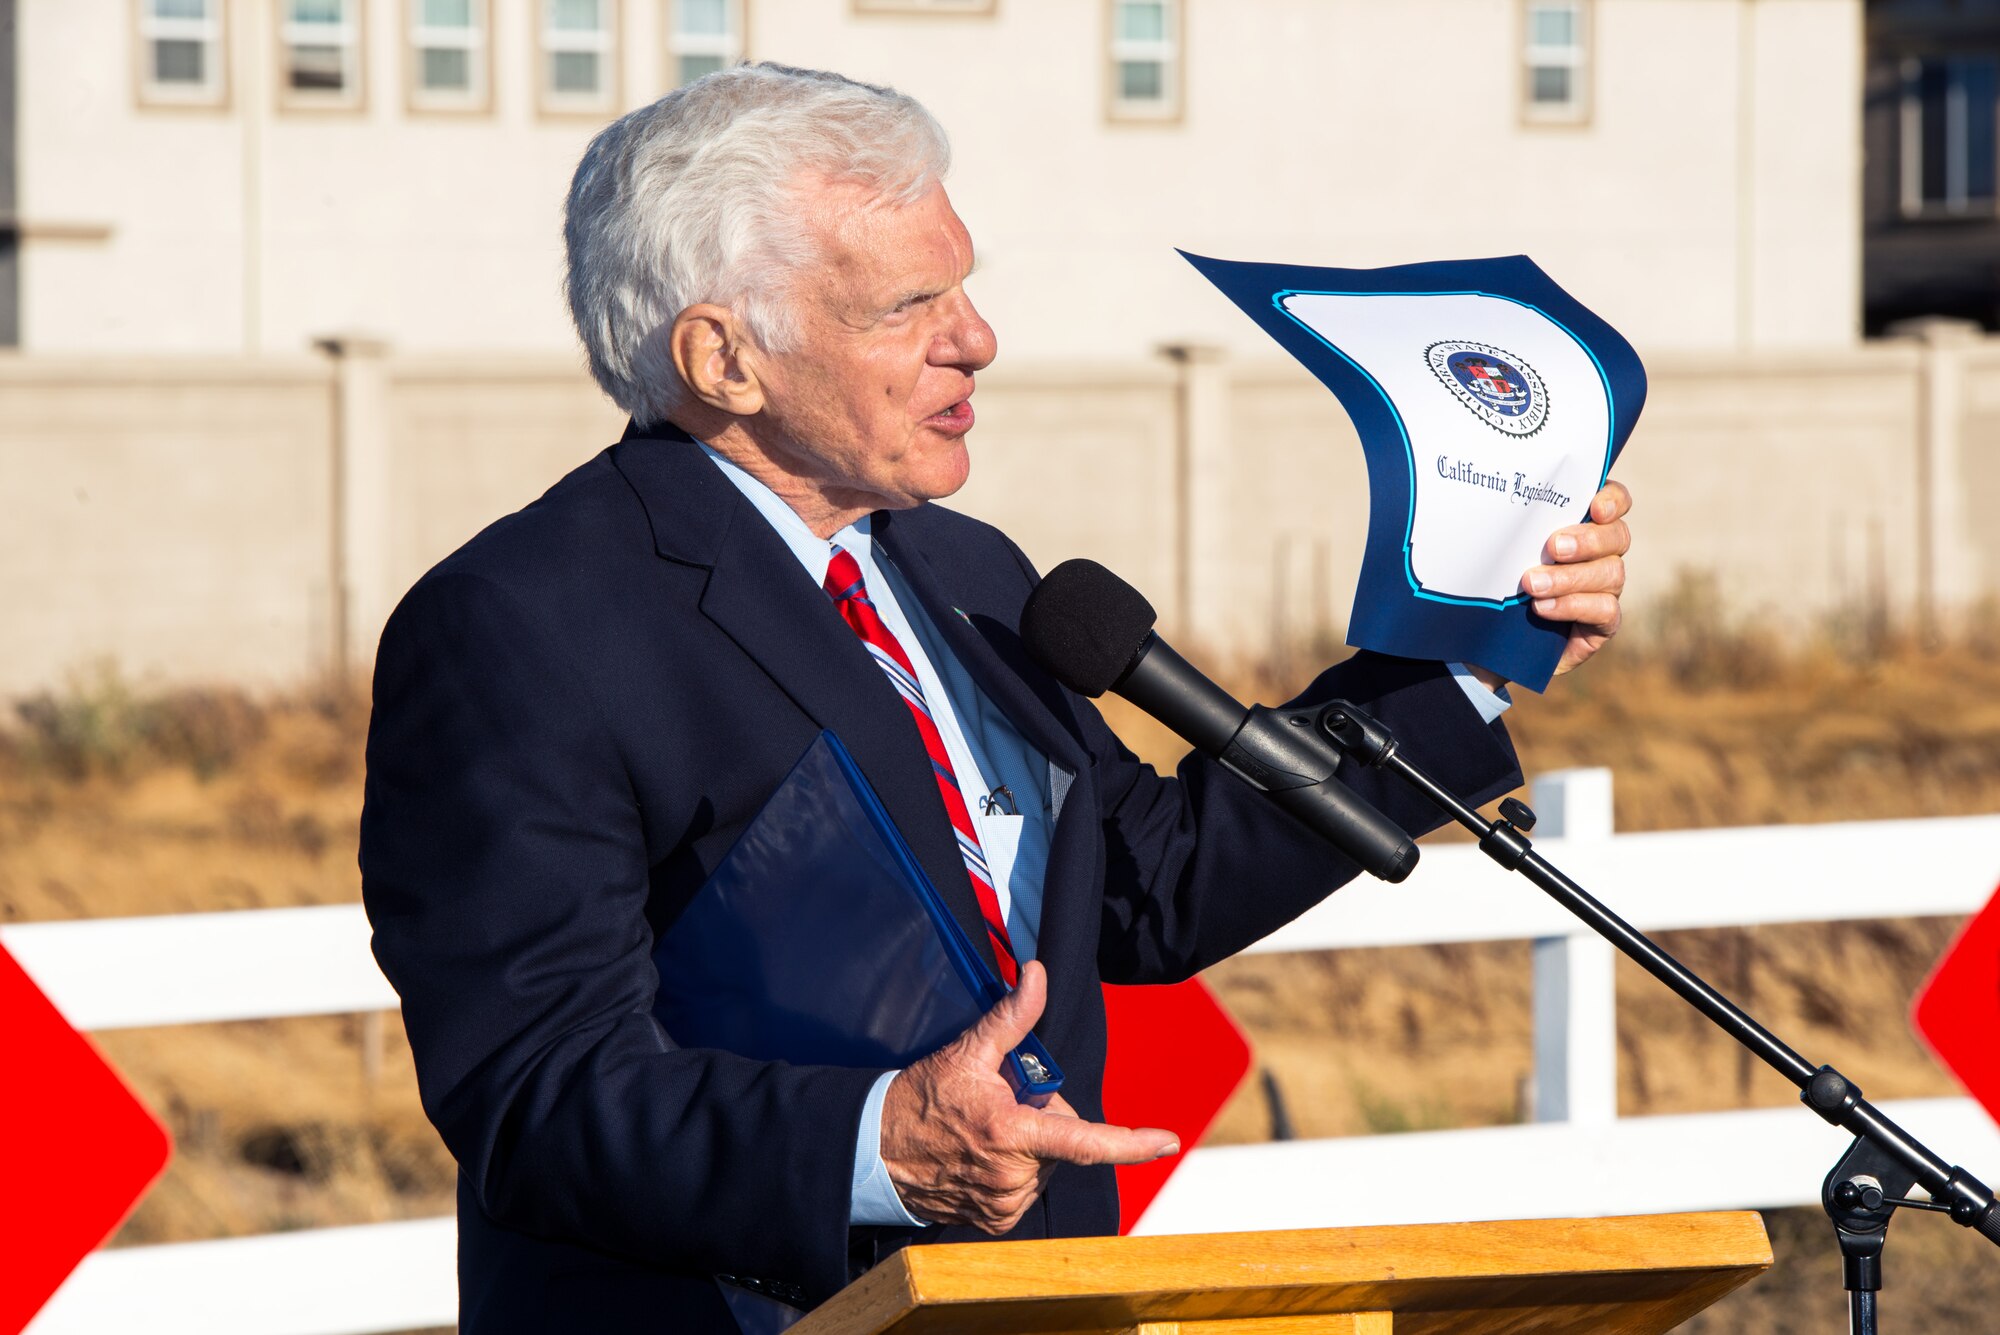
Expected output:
{"points": [[1578, 1158]]}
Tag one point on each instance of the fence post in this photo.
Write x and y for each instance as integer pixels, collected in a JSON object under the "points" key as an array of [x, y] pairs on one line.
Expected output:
{"points": [[1576, 1018]]}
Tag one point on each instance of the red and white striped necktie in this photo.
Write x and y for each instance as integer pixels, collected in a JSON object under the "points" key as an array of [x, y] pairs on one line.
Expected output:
{"points": [[849, 592]]}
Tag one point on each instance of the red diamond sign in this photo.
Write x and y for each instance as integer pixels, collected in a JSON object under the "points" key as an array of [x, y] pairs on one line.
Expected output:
{"points": [[1175, 1058], [1958, 1010], [77, 1149]]}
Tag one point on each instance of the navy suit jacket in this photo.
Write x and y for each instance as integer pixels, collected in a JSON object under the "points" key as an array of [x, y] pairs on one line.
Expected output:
{"points": [[575, 715]]}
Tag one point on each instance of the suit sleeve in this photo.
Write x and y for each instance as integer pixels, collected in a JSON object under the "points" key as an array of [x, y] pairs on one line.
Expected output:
{"points": [[1200, 866], [505, 873]]}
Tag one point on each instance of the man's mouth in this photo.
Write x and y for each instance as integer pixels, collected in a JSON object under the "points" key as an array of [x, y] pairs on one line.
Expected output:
{"points": [[956, 418]]}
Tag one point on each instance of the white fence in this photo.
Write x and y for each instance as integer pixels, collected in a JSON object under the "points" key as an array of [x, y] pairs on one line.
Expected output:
{"points": [[1580, 1158]]}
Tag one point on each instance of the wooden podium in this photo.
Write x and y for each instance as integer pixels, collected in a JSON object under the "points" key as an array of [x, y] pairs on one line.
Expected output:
{"points": [[1630, 1276]]}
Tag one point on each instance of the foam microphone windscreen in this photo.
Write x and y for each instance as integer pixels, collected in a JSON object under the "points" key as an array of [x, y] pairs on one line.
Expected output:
{"points": [[1086, 626]]}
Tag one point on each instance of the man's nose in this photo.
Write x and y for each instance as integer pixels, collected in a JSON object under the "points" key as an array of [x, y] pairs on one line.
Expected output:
{"points": [[967, 341]]}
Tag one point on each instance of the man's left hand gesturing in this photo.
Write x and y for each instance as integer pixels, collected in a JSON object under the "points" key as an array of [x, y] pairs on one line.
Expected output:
{"points": [[1584, 575]]}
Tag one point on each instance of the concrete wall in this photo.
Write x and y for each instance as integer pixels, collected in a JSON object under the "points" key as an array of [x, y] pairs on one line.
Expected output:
{"points": [[173, 516], [254, 520], [1710, 202], [469, 442]]}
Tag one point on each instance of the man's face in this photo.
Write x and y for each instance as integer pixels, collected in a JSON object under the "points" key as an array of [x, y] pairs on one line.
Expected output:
{"points": [[874, 401]]}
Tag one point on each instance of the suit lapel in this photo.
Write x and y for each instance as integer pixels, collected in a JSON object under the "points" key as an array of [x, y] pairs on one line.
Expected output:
{"points": [[759, 596], [987, 645]]}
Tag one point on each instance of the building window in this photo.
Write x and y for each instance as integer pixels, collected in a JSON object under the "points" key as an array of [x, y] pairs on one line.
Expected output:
{"points": [[703, 36], [180, 53], [1145, 68], [321, 41], [579, 56], [1950, 148], [448, 63], [1557, 62]]}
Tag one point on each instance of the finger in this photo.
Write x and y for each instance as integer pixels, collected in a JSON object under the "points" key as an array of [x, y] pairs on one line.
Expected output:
{"points": [[1588, 542], [999, 1225], [1604, 575], [1057, 1106], [1001, 1029], [1073, 1140], [1003, 1211], [1599, 610], [1612, 501], [1583, 642]]}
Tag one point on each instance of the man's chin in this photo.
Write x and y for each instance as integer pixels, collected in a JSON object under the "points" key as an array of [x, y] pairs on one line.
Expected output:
{"points": [[938, 474], [949, 472]]}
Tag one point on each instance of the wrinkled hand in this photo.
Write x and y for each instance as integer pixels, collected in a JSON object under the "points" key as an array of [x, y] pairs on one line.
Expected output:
{"points": [[961, 1150], [1584, 575]]}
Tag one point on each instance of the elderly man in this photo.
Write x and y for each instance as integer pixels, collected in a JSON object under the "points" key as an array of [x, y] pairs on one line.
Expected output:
{"points": [[577, 713]]}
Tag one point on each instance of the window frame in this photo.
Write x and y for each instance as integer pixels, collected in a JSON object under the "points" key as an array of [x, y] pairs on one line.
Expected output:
{"points": [[1579, 57], [734, 48], [1911, 205], [148, 92], [567, 106], [349, 101], [1170, 52], [421, 101]]}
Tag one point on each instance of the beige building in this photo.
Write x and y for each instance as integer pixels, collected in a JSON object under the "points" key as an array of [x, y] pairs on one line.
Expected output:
{"points": [[203, 190], [242, 176]]}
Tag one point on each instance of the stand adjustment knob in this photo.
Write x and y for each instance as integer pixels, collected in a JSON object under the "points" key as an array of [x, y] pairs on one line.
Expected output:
{"points": [[1863, 1194], [1830, 1094], [1517, 814]]}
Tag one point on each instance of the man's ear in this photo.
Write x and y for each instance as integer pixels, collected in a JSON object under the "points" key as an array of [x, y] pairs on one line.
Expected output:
{"points": [[709, 350]]}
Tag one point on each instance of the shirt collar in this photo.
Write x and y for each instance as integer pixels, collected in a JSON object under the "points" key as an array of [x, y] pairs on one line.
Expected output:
{"points": [[814, 552]]}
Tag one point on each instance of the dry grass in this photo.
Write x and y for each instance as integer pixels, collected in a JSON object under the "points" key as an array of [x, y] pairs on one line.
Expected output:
{"points": [[115, 803], [1708, 727], [118, 802], [1356, 1038]]}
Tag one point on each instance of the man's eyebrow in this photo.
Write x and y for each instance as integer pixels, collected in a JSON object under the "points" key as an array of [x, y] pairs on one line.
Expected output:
{"points": [[928, 292]]}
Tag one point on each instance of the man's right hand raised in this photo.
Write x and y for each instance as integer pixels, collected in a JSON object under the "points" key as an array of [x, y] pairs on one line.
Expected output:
{"points": [[961, 1150]]}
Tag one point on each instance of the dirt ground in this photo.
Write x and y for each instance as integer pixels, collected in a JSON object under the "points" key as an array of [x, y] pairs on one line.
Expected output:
{"points": [[116, 801]]}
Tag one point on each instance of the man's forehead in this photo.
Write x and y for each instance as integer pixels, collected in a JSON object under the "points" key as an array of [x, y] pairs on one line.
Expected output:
{"points": [[867, 232]]}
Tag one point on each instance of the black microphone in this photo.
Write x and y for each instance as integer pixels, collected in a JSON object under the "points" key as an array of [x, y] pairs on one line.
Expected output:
{"points": [[1094, 633]]}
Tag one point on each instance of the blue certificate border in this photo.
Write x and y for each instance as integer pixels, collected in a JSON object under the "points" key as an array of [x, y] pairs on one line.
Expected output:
{"points": [[1392, 613]]}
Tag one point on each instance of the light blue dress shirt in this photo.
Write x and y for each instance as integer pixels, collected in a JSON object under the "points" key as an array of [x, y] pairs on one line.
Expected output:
{"points": [[1005, 780]]}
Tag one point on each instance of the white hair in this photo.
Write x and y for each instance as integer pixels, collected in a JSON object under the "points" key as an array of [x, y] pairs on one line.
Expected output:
{"points": [[697, 198]]}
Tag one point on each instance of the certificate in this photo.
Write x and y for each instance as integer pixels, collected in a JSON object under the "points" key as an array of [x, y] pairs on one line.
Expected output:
{"points": [[1490, 405]]}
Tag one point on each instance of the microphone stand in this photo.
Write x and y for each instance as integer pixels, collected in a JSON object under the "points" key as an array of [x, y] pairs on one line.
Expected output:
{"points": [[1876, 1174]]}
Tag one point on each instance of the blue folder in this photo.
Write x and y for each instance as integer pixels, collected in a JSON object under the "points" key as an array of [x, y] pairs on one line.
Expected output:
{"points": [[820, 941]]}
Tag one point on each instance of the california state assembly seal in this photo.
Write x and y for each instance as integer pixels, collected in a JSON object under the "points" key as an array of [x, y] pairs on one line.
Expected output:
{"points": [[1501, 390]]}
